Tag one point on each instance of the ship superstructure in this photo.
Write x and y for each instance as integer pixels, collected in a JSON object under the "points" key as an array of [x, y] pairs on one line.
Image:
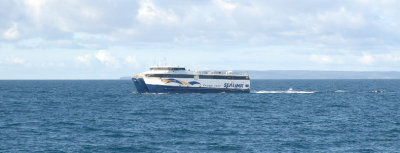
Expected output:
{"points": [[175, 79]]}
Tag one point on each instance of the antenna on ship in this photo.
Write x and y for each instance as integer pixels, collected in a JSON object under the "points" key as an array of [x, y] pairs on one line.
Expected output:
{"points": [[156, 63], [165, 61]]}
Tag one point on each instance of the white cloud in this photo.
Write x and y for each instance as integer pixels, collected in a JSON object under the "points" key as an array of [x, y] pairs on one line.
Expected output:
{"points": [[321, 59], [90, 13], [225, 5], [131, 60], [376, 2], [34, 8], [366, 59], [13, 60], [52, 64], [149, 13], [342, 29], [106, 58], [12, 32], [391, 57], [85, 59], [126, 22], [342, 17], [17, 60], [325, 59]]}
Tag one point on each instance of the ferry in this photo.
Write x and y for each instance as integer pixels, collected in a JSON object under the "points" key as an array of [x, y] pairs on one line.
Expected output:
{"points": [[176, 79]]}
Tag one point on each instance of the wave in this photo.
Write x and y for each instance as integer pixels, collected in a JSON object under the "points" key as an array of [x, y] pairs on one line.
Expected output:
{"points": [[376, 91], [289, 91], [138, 93]]}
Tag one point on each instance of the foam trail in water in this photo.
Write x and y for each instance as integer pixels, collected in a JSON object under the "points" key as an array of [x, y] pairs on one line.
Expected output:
{"points": [[287, 91], [376, 91]]}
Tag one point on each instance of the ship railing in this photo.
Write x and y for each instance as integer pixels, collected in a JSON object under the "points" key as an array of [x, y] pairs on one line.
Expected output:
{"points": [[220, 73]]}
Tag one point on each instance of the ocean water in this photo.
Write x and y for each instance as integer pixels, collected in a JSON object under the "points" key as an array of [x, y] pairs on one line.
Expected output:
{"points": [[278, 116]]}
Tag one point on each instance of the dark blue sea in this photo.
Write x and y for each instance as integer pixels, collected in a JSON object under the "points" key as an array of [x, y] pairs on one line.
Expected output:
{"points": [[278, 116]]}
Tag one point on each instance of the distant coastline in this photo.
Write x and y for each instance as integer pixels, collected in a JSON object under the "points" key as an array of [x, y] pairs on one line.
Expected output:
{"points": [[125, 78], [308, 74], [304, 74]]}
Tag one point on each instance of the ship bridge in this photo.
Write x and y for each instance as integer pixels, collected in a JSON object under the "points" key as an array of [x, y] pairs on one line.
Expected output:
{"points": [[168, 68]]}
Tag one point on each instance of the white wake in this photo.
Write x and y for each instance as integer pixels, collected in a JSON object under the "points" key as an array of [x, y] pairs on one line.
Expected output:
{"points": [[290, 91]]}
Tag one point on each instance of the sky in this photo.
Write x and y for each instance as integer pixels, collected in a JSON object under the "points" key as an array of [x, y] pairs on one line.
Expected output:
{"points": [[108, 39]]}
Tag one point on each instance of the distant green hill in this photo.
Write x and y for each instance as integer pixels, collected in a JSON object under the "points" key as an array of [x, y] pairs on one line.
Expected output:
{"points": [[125, 78], [303, 74]]}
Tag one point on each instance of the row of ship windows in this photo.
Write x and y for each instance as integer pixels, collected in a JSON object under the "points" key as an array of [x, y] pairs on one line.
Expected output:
{"points": [[163, 68], [200, 76]]}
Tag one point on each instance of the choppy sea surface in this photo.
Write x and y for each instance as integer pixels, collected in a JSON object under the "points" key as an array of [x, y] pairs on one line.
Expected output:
{"points": [[278, 116]]}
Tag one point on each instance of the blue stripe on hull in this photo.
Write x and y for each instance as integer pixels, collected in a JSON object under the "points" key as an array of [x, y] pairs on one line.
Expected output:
{"points": [[175, 89], [140, 85]]}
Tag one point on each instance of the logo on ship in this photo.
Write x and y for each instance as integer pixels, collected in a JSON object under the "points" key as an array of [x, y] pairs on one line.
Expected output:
{"points": [[191, 83]]}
